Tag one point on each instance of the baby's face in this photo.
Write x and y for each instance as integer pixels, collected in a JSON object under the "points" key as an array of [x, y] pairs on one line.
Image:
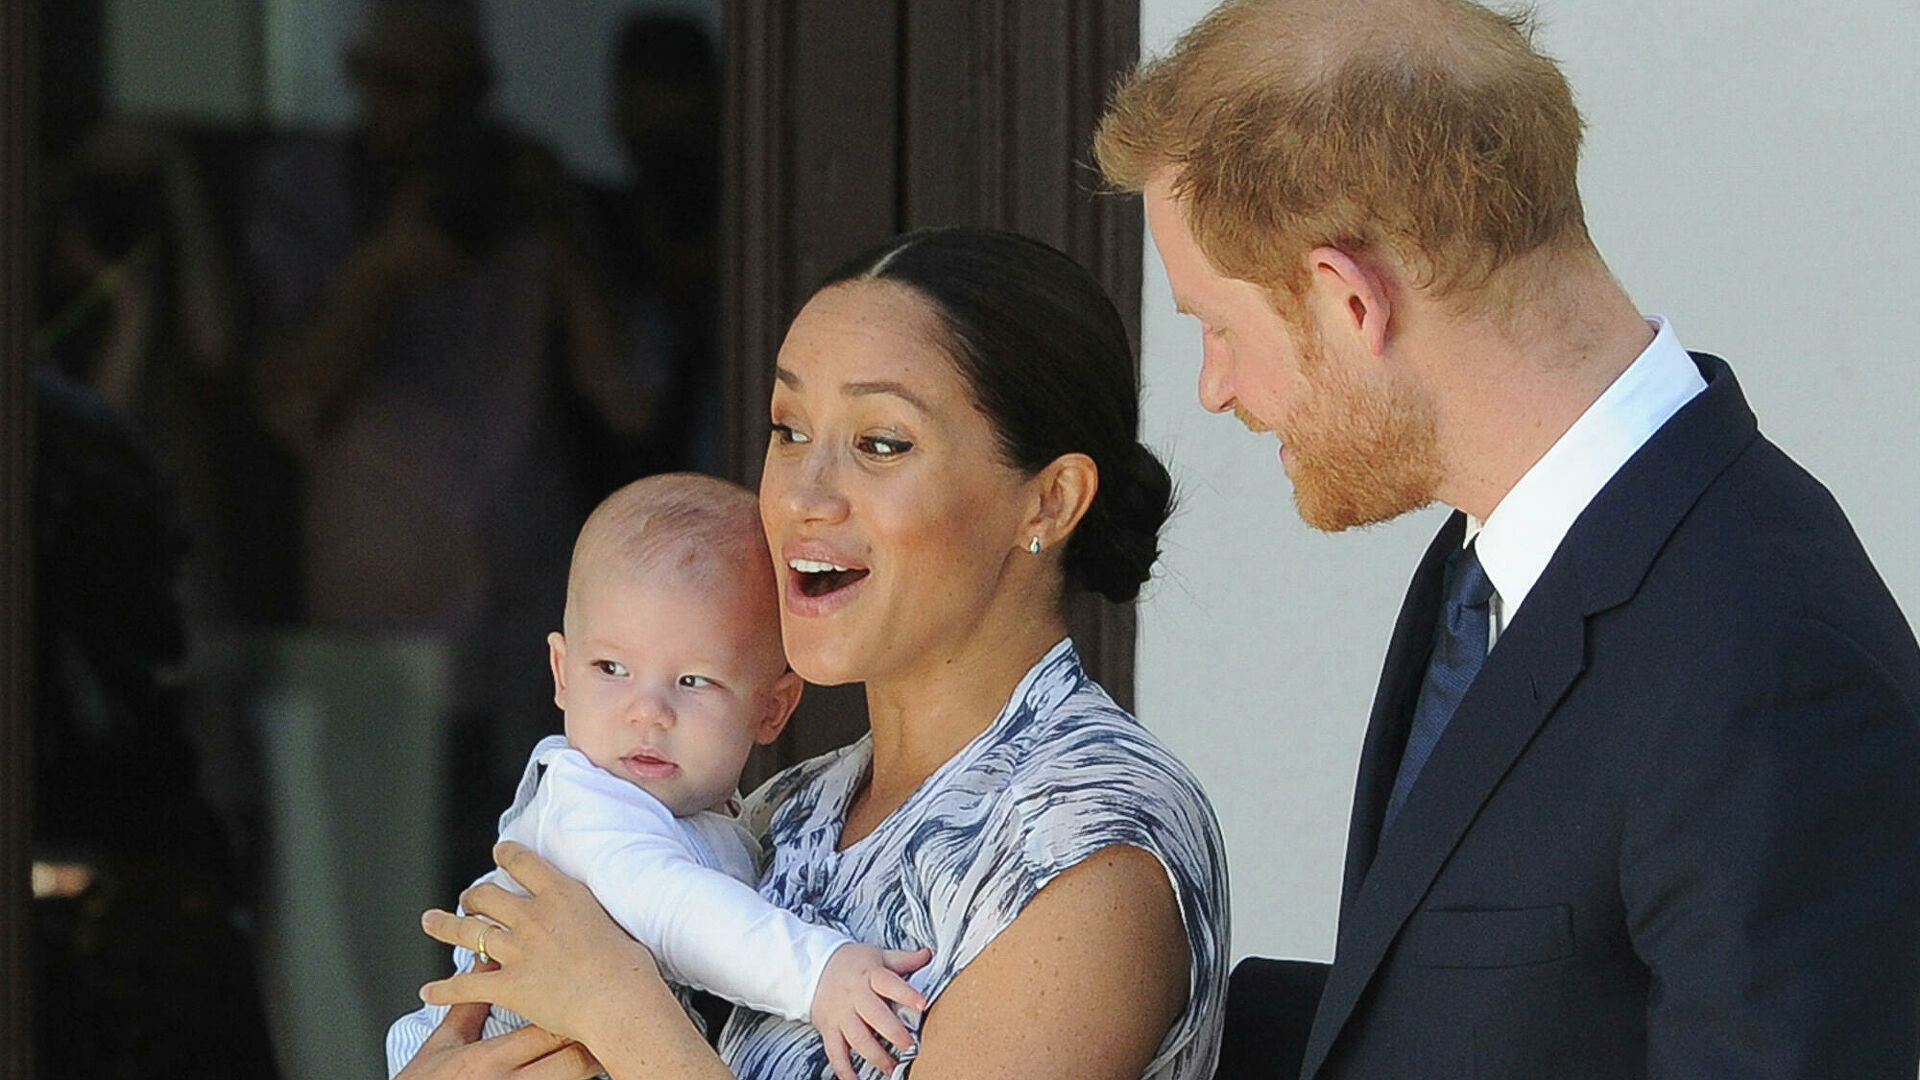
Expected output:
{"points": [[668, 684]]}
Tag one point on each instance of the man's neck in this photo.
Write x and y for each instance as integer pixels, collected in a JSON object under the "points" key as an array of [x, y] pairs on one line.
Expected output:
{"points": [[1506, 394]]}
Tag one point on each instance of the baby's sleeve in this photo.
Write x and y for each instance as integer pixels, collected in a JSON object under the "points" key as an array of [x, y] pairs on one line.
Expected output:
{"points": [[706, 929]]}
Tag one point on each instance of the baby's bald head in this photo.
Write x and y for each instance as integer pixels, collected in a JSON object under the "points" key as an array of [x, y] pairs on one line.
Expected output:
{"points": [[696, 530]]}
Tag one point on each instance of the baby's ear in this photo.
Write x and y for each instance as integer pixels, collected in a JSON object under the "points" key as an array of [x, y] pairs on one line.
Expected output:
{"points": [[557, 659], [782, 697]]}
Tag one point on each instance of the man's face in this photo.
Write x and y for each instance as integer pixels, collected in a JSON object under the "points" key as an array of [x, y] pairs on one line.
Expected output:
{"points": [[1359, 445]]}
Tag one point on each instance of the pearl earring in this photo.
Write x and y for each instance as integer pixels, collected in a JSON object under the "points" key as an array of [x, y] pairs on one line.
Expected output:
{"points": [[1033, 546]]}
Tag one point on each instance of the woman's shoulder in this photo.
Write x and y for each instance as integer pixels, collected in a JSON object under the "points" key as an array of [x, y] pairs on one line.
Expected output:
{"points": [[1085, 742], [1078, 772], [803, 783]]}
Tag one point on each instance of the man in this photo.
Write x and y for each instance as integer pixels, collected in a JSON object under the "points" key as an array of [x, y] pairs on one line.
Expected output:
{"points": [[1640, 794]]}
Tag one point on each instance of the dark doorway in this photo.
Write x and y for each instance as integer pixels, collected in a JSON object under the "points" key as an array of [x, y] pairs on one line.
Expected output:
{"points": [[845, 121]]}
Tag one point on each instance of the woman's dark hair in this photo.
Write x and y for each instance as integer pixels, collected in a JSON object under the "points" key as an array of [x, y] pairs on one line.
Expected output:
{"points": [[1047, 358]]}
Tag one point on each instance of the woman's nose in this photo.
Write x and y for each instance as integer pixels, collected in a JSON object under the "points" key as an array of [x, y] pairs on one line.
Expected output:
{"points": [[811, 483]]}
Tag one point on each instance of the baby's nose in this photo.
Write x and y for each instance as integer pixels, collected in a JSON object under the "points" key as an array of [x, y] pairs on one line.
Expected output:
{"points": [[651, 709]]}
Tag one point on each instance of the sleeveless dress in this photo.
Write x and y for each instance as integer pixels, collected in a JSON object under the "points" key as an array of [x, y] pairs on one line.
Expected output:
{"points": [[1061, 773]]}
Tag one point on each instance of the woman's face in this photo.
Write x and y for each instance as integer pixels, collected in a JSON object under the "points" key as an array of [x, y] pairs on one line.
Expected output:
{"points": [[890, 512]]}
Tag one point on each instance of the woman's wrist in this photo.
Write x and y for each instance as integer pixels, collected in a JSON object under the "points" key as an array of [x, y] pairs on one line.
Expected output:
{"points": [[642, 1032]]}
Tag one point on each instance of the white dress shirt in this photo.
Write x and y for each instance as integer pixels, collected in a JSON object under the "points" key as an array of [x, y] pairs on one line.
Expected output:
{"points": [[1518, 539]]}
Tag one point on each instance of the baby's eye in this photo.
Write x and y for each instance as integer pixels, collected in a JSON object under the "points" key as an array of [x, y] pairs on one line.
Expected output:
{"points": [[783, 433], [881, 446], [611, 667], [695, 682]]}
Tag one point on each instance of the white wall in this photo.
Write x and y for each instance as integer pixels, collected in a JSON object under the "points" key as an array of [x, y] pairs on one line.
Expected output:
{"points": [[1752, 171]]}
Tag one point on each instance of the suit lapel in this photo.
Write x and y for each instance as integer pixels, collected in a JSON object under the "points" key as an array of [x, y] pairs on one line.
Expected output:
{"points": [[1400, 677], [1600, 564], [1525, 676]]}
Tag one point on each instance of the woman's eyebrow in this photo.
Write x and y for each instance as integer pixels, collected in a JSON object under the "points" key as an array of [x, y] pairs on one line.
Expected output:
{"points": [[864, 388], [884, 386]]}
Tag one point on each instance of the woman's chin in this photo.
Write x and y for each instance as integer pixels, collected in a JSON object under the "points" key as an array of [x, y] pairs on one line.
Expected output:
{"points": [[820, 658]]}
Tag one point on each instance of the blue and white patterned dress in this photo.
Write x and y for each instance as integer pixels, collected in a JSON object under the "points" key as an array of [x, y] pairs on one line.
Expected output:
{"points": [[1060, 774]]}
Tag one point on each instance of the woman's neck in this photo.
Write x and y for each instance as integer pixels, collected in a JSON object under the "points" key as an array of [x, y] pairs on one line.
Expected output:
{"points": [[921, 718]]}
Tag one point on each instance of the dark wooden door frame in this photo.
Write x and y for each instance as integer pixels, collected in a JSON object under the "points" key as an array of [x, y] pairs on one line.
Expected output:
{"points": [[849, 121], [19, 77]]}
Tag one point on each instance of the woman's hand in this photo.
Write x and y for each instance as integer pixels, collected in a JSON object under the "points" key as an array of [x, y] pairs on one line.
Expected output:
{"points": [[455, 1051], [563, 963]]}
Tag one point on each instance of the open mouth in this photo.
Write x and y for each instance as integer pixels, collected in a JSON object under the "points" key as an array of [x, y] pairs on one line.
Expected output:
{"points": [[818, 578]]}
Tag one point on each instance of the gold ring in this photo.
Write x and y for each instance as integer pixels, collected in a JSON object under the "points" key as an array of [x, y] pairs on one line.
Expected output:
{"points": [[480, 947]]}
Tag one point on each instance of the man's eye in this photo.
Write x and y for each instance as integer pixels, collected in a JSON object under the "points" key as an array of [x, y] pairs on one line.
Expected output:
{"points": [[782, 433], [694, 682], [880, 446], [611, 667]]}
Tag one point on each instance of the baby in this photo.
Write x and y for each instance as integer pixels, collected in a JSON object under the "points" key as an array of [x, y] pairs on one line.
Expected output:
{"points": [[669, 670]]}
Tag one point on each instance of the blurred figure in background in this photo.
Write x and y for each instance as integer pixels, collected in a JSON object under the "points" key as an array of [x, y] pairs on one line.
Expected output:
{"points": [[144, 959], [428, 313], [138, 306], [658, 238]]}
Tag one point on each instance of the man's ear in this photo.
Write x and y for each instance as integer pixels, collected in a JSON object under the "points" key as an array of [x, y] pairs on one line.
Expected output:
{"points": [[1354, 295], [1063, 491], [782, 698], [557, 659]]}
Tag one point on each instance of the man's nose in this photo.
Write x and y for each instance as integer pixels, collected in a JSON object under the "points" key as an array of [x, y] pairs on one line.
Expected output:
{"points": [[1216, 390]]}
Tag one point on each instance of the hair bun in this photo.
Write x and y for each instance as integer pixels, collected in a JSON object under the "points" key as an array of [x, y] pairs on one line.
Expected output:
{"points": [[1113, 551]]}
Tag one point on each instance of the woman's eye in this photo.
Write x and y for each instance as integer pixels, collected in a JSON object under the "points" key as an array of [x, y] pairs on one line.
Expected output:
{"points": [[611, 667], [784, 434], [694, 682], [881, 446]]}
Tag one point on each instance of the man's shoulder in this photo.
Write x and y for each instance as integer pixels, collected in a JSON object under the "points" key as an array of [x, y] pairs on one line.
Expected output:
{"points": [[1764, 553], [1769, 532]]}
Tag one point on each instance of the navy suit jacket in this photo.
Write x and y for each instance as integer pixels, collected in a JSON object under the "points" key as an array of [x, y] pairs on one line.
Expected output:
{"points": [[1673, 829]]}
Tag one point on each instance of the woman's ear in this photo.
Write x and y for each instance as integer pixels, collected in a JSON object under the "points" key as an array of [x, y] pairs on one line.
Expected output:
{"points": [[782, 698], [557, 659], [1063, 491]]}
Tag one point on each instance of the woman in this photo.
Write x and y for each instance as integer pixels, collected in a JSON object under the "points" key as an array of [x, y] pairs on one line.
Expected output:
{"points": [[952, 454]]}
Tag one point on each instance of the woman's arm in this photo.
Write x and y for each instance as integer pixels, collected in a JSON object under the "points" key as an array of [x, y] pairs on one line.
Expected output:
{"points": [[569, 968], [1084, 983]]}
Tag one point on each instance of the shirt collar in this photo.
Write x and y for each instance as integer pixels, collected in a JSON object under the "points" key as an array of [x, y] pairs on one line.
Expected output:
{"points": [[1518, 539]]}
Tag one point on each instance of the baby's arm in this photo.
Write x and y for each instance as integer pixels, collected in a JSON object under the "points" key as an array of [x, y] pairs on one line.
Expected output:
{"points": [[707, 929]]}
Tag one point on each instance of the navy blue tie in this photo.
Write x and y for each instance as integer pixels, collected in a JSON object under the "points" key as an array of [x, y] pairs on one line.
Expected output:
{"points": [[1459, 648]]}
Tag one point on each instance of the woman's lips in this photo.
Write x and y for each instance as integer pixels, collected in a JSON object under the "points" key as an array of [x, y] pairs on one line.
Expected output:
{"points": [[649, 767], [817, 586], [818, 577]]}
